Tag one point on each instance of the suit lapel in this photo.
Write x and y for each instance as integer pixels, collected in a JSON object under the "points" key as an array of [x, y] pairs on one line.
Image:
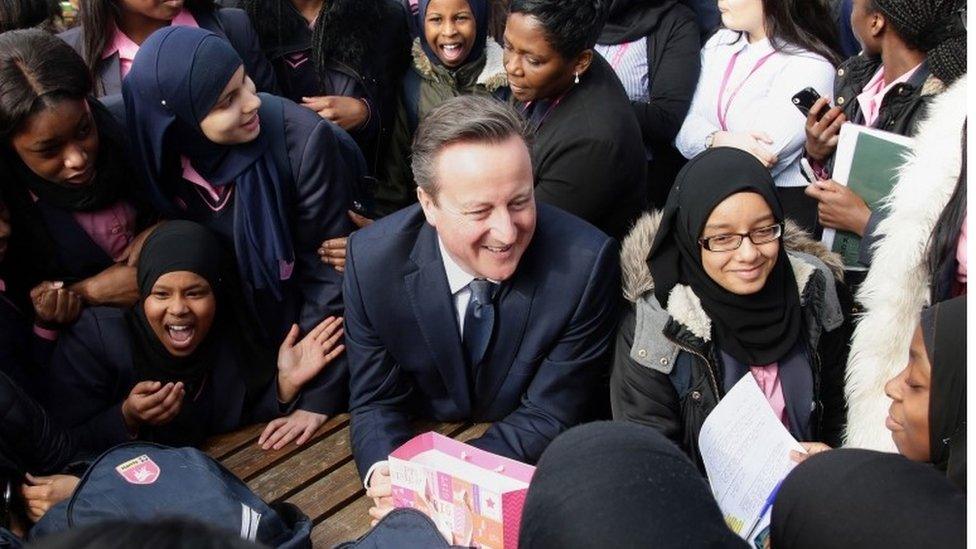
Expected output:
{"points": [[434, 309], [511, 314]]}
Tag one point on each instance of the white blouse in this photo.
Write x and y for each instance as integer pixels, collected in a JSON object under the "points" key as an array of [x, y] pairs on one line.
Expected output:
{"points": [[762, 102]]}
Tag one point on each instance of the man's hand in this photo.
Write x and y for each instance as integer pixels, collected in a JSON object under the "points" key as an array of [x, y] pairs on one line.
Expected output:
{"points": [[823, 132], [152, 403], [754, 143], [300, 361], [839, 207], [381, 490], [300, 423], [348, 113], [42, 493], [54, 304]]}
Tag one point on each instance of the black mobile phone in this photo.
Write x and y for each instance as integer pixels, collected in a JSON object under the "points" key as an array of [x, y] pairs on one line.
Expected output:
{"points": [[804, 100]]}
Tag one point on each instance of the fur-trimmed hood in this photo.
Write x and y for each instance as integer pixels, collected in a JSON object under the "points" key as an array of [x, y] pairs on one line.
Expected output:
{"points": [[897, 286], [492, 77]]}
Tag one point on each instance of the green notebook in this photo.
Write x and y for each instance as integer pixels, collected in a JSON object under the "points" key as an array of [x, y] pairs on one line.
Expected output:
{"points": [[867, 161]]}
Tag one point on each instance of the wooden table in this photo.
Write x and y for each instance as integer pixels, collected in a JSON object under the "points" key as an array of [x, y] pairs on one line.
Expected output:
{"points": [[320, 477]]}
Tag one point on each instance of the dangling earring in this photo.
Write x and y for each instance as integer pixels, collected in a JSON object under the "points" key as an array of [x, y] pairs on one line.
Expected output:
{"points": [[577, 78]]}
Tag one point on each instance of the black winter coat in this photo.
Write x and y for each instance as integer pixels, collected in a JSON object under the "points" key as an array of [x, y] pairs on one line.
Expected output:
{"points": [[650, 384]]}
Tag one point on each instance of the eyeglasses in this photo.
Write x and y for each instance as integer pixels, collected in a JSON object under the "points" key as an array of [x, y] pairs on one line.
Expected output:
{"points": [[732, 241]]}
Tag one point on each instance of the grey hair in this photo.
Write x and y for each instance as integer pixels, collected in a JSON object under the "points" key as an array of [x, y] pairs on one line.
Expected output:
{"points": [[467, 118]]}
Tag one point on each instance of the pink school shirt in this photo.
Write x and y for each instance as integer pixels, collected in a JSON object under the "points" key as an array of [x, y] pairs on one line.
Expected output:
{"points": [[767, 377], [874, 93], [112, 228], [962, 256], [127, 49]]}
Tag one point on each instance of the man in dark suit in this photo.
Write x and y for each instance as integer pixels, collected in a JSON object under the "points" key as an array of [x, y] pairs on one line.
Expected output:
{"points": [[476, 304]]}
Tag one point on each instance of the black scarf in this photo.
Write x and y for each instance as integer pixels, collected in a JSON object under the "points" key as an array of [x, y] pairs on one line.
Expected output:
{"points": [[630, 20], [944, 331], [755, 329]]}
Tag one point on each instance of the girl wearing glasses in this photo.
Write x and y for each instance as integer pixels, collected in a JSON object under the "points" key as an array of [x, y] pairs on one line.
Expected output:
{"points": [[720, 287]]}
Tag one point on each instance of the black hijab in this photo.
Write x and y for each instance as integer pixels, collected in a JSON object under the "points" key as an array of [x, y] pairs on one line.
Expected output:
{"points": [[861, 498], [176, 78], [944, 331], [618, 484], [630, 20], [755, 329]]}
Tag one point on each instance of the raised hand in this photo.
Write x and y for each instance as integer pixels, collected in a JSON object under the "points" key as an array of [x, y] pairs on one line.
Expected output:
{"points": [[300, 361]]}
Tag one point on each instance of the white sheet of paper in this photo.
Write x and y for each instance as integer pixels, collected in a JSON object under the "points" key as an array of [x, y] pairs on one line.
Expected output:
{"points": [[746, 451]]}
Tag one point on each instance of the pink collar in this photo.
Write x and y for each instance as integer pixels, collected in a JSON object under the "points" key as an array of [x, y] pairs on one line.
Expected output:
{"points": [[874, 92], [127, 49]]}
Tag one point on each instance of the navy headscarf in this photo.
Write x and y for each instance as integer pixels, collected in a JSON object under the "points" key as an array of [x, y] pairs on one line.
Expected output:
{"points": [[176, 78], [480, 10]]}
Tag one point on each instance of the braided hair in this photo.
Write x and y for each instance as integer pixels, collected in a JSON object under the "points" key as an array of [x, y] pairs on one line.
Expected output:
{"points": [[934, 27]]}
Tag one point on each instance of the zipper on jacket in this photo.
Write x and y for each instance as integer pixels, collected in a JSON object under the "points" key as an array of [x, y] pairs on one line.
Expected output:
{"points": [[708, 366]]}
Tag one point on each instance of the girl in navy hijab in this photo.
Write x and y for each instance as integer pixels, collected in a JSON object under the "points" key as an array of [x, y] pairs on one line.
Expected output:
{"points": [[270, 178]]}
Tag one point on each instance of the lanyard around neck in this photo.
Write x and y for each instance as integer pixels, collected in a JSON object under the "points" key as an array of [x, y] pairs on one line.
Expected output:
{"points": [[724, 112]]}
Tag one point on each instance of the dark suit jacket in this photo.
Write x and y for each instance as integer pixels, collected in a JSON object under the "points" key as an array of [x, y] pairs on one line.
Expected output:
{"points": [[553, 333], [230, 23]]}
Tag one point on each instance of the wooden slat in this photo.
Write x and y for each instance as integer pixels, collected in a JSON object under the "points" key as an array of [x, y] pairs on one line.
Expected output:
{"points": [[348, 524], [220, 446], [252, 460], [304, 466], [472, 432], [330, 493]]}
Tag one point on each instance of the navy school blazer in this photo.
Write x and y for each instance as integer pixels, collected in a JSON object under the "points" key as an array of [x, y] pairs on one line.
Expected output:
{"points": [[554, 327], [230, 23]]}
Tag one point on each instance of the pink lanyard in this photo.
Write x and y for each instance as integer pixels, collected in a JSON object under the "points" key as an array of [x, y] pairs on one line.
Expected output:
{"points": [[552, 107], [723, 114], [619, 55]]}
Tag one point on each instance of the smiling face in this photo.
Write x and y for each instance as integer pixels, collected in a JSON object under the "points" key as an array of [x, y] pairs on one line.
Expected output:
{"points": [[535, 69], [59, 143], [908, 416], [180, 309], [450, 30], [160, 10], [484, 210], [234, 117], [742, 271]]}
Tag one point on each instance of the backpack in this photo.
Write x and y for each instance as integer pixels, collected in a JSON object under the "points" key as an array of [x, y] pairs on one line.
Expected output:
{"points": [[145, 481]]}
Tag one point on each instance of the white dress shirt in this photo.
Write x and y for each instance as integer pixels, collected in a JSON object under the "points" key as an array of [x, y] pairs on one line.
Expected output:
{"points": [[763, 103]]}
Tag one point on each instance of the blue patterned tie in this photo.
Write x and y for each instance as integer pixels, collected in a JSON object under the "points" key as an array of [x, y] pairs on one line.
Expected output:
{"points": [[479, 319]]}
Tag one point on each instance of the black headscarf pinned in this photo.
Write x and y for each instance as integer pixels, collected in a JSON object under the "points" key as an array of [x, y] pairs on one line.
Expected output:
{"points": [[755, 329], [630, 20], [944, 331]]}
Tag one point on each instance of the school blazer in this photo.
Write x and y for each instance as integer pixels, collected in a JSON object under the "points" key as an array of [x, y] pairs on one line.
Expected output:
{"points": [[554, 324]]}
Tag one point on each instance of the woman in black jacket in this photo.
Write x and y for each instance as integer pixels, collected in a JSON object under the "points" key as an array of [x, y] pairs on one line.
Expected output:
{"points": [[343, 59], [653, 46], [722, 293], [588, 155]]}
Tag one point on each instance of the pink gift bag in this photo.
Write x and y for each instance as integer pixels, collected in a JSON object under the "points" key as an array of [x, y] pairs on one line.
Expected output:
{"points": [[475, 497]]}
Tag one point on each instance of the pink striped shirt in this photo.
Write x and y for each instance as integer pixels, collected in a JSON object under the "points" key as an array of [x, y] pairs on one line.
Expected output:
{"points": [[127, 49]]}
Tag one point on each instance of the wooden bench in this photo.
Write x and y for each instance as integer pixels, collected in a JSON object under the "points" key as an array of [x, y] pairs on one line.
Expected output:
{"points": [[320, 477]]}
